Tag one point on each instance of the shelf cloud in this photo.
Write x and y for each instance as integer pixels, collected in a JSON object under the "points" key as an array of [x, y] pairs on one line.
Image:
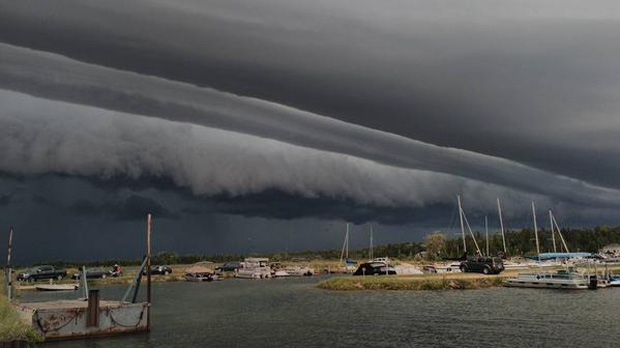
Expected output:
{"points": [[330, 111]]}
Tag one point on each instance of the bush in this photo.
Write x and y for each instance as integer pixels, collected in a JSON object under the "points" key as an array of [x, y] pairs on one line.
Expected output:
{"points": [[11, 328]]}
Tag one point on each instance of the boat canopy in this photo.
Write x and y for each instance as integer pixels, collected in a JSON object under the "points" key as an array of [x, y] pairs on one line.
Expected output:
{"points": [[554, 256]]}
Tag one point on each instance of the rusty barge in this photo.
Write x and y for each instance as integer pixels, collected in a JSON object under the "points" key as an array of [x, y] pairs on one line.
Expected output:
{"points": [[81, 319], [90, 316]]}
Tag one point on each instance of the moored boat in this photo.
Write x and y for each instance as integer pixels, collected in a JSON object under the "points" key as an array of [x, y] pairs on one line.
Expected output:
{"points": [[201, 277], [614, 281], [57, 287], [255, 268], [562, 279]]}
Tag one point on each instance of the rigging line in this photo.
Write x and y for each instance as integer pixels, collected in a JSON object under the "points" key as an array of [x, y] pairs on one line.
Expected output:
{"points": [[560, 233], [472, 233]]}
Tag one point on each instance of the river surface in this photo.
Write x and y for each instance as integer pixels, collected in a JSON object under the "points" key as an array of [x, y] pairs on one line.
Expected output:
{"points": [[295, 313]]}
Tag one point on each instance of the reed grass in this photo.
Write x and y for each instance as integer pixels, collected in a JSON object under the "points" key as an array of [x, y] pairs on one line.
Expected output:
{"points": [[410, 283], [11, 327]]}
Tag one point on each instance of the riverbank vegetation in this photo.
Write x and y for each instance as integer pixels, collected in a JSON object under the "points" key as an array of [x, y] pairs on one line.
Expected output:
{"points": [[11, 328], [426, 282]]}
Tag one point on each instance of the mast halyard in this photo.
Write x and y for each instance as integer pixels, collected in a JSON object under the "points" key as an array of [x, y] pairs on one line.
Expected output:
{"points": [[536, 231], [501, 225], [344, 253], [555, 223], [458, 198], [555, 250]]}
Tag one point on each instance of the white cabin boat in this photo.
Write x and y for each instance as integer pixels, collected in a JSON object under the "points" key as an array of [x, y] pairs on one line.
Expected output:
{"points": [[562, 279], [454, 267], [297, 271], [255, 268]]}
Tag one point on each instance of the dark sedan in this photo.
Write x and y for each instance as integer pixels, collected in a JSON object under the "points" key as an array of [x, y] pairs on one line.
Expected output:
{"points": [[163, 270], [374, 268], [229, 267], [93, 273]]}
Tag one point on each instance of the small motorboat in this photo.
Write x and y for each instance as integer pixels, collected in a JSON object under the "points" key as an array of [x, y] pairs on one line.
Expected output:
{"points": [[201, 277], [57, 287]]}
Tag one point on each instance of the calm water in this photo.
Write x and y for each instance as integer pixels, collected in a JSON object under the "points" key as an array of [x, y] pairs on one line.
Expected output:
{"points": [[294, 313]]}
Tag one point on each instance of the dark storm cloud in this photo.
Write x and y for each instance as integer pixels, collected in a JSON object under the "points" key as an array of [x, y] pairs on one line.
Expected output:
{"points": [[41, 136], [134, 207], [267, 113], [515, 80], [5, 199]]}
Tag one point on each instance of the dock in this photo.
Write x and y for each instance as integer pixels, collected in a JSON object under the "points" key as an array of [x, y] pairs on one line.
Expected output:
{"points": [[89, 316], [68, 319]]}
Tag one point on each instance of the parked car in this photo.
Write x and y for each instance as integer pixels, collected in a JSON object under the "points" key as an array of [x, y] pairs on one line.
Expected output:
{"points": [[93, 273], [374, 268], [229, 267], [486, 265], [165, 270], [42, 272]]}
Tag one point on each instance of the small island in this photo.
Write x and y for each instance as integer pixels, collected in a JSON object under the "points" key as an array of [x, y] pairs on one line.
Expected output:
{"points": [[454, 281]]}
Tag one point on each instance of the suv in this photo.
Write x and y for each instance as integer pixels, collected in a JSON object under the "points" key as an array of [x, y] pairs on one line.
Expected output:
{"points": [[481, 264], [41, 273]]}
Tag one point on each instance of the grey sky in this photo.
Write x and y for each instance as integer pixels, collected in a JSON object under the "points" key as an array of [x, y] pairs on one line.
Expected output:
{"points": [[398, 105]]}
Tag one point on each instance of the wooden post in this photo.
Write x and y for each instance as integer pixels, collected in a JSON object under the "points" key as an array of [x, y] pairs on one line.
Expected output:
{"points": [[92, 319], [148, 271], [9, 276]]}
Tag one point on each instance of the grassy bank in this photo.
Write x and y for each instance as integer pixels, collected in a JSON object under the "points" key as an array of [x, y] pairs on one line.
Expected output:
{"points": [[426, 282], [11, 328]]}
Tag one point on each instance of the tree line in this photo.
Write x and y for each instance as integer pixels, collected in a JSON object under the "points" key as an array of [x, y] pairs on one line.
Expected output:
{"points": [[523, 242], [435, 246]]}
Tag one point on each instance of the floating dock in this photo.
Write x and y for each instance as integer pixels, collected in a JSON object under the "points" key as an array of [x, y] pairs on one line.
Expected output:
{"points": [[89, 316], [70, 319]]}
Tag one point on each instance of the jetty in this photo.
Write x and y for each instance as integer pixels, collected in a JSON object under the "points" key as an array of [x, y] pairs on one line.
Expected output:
{"points": [[91, 316]]}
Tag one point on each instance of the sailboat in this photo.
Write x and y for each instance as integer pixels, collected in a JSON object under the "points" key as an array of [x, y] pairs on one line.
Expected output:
{"points": [[562, 255], [509, 264], [463, 220], [350, 265], [567, 278]]}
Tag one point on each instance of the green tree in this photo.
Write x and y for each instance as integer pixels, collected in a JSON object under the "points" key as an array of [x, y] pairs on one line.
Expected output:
{"points": [[435, 245]]}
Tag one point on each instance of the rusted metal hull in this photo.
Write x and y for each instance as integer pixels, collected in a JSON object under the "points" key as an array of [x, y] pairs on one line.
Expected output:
{"points": [[60, 320]]}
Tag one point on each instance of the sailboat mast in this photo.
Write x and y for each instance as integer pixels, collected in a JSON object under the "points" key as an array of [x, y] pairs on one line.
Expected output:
{"points": [[555, 250], [501, 225], [149, 232], [344, 253], [370, 252], [536, 231], [9, 282], [458, 198], [486, 228]]}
